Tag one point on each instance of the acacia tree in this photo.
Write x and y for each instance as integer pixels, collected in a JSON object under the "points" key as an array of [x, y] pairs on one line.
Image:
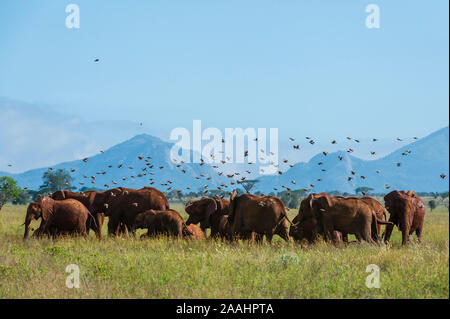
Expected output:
{"points": [[433, 204], [56, 181], [362, 189], [8, 190]]}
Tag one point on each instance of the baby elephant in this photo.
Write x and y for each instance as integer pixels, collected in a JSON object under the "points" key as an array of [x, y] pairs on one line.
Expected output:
{"points": [[160, 222], [193, 232]]}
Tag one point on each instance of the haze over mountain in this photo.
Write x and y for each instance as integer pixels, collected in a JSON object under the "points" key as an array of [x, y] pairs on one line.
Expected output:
{"points": [[127, 154], [420, 169]]}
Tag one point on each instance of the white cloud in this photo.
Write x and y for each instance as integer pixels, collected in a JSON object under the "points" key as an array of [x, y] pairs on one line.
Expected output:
{"points": [[33, 136]]}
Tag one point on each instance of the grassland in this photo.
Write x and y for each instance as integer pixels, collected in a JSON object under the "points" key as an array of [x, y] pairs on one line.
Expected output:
{"points": [[164, 268]]}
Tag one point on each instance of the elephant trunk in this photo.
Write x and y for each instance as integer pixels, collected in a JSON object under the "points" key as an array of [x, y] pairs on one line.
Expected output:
{"points": [[27, 225]]}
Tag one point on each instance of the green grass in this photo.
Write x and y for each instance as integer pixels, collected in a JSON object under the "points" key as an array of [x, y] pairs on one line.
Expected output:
{"points": [[165, 268]]}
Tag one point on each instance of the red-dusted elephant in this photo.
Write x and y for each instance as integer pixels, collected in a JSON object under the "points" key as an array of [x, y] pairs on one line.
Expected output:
{"points": [[210, 213], [95, 220], [122, 205], [67, 216], [346, 215], [407, 212], [259, 215], [193, 231], [161, 222]]}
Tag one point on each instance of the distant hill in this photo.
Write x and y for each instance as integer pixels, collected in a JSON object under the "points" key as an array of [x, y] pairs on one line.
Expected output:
{"points": [[127, 153], [420, 169]]}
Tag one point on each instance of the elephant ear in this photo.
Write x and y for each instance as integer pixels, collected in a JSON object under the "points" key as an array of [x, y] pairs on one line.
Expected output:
{"points": [[323, 203], [58, 195], [46, 207], [219, 203], [91, 200], [188, 204], [210, 208], [410, 193]]}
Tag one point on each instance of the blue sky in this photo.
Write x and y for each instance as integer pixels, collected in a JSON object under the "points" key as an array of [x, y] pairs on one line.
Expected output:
{"points": [[309, 68]]}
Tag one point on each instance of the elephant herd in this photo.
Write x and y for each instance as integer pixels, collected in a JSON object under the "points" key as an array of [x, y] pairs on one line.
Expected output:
{"points": [[245, 216]]}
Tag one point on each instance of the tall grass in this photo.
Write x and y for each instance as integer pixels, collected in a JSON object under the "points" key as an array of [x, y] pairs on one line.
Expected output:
{"points": [[169, 268]]}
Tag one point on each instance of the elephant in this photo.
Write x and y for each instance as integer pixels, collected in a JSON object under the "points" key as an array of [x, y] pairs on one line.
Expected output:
{"points": [[407, 212], [193, 232], [379, 210], [167, 222], [95, 220], [345, 215], [261, 215], [67, 216], [122, 205], [210, 213], [309, 230]]}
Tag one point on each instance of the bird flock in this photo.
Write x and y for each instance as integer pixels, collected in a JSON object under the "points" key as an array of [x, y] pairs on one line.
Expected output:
{"points": [[150, 170]]}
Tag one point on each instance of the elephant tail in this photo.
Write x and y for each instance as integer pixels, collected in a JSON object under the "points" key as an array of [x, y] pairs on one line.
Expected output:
{"points": [[374, 228], [383, 222], [284, 214], [93, 218]]}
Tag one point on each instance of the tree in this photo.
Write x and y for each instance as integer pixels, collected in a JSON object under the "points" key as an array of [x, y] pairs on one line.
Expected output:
{"points": [[8, 190], [24, 197], [433, 204], [363, 189], [56, 181], [248, 184]]}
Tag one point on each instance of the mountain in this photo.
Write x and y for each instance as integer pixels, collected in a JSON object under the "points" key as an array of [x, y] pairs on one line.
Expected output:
{"points": [[127, 154], [421, 164], [420, 168]]}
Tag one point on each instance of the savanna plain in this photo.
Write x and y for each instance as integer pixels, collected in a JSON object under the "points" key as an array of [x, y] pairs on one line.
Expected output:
{"points": [[128, 267]]}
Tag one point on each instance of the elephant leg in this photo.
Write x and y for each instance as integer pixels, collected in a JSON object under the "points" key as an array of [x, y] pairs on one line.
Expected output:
{"points": [[337, 236], [345, 237], [388, 232], [259, 238], [328, 231], [131, 230], [419, 234], [405, 235], [113, 225], [99, 218], [269, 238]]}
